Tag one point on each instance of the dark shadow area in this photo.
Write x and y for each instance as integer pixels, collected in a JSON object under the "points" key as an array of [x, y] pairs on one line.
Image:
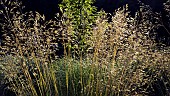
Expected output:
{"points": [[47, 7]]}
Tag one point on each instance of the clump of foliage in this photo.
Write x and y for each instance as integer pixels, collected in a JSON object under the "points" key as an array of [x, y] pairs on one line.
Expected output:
{"points": [[27, 49], [22, 30], [79, 16], [124, 45], [122, 59]]}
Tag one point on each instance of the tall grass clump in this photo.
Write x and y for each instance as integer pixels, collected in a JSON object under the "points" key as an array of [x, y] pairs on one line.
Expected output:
{"points": [[27, 49], [114, 58], [124, 58]]}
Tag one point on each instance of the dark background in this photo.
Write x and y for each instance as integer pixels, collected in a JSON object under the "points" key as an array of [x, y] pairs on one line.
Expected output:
{"points": [[50, 7]]}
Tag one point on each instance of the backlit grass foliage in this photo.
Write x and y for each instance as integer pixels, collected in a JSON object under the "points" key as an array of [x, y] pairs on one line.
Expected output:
{"points": [[121, 58]]}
